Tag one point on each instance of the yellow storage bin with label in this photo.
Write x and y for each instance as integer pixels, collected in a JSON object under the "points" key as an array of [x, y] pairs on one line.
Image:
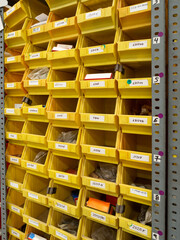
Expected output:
{"points": [[36, 111], [98, 184], [30, 229], [128, 221], [97, 215], [100, 145], [100, 49], [135, 185], [65, 199], [35, 188], [15, 201], [14, 153], [13, 130], [64, 112], [100, 113], [36, 161], [13, 84], [64, 83], [135, 18], [13, 108], [135, 116], [99, 86], [135, 151], [133, 85], [58, 219], [15, 62], [37, 215], [35, 134], [15, 177], [64, 141], [65, 171], [35, 81], [16, 226]]}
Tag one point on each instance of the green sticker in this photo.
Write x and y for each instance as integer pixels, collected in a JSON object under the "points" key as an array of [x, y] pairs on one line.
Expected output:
{"points": [[104, 46], [129, 81]]}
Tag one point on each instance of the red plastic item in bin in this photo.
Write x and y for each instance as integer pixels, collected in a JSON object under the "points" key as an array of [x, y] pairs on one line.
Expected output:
{"points": [[72, 171], [111, 199]]}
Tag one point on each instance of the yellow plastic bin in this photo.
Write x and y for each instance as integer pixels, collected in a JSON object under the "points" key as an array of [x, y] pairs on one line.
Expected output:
{"points": [[15, 177], [12, 237], [100, 49], [37, 215], [30, 229], [100, 113], [135, 151], [37, 110], [13, 84], [14, 153], [36, 161], [64, 148], [64, 83], [15, 201], [64, 59], [133, 118], [13, 130], [135, 17], [128, 220], [35, 134], [54, 229], [35, 188], [127, 236], [13, 108], [135, 83], [64, 112], [99, 184], [15, 63], [35, 86], [99, 87], [135, 185], [65, 199], [96, 215], [16, 226], [100, 145]]}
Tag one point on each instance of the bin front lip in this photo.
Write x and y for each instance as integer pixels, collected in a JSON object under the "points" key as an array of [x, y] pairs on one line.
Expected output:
{"points": [[123, 117], [84, 51], [125, 11]]}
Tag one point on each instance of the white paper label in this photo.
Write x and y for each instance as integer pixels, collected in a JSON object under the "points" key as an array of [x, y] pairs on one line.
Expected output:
{"points": [[14, 136], [32, 195], [139, 157], [60, 84], [60, 24], [138, 229], [98, 216], [11, 34], [35, 55], [138, 83], [32, 110], [10, 59], [15, 233], [10, 85], [61, 206], [97, 150], [15, 160], [98, 184], [15, 209], [97, 84], [37, 29], [139, 7], [34, 223], [61, 115], [95, 50], [10, 11], [61, 146], [33, 82], [15, 185], [31, 165], [10, 111], [61, 235], [62, 176], [138, 120], [138, 192], [139, 44], [96, 118], [93, 14]]}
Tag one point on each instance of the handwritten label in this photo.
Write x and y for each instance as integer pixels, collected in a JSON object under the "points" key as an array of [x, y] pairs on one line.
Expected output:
{"points": [[10, 85], [138, 192], [98, 184], [98, 216], [93, 14], [138, 120], [15, 185], [33, 223], [139, 7], [97, 150], [15, 209], [11, 34], [95, 50], [14, 160], [32, 110], [97, 84], [140, 44], [32, 195], [138, 229], [61, 206], [10, 111], [139, 157], [62, 176], [138, 83], [34, 55], [60, 84], [33, 82], [61, 235], [15, 233], [10, 59], [61, 115], [10, 11], [96, 118], [31, 165], [60, 23], [35, 30], [13, 136]]}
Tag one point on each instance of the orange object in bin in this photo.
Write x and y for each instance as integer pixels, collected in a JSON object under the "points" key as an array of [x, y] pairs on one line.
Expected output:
{"points": [[100, 205]]}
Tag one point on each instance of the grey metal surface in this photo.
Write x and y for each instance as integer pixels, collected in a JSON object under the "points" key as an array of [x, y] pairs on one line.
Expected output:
{"points": [[159, 120], [2, 139]]}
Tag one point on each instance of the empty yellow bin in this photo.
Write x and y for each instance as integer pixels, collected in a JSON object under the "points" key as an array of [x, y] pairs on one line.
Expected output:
{"points": [[64, 83], [15, 63], [15, 177], [13, 131], [13, 84], [14, 153], [13, 108]]}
